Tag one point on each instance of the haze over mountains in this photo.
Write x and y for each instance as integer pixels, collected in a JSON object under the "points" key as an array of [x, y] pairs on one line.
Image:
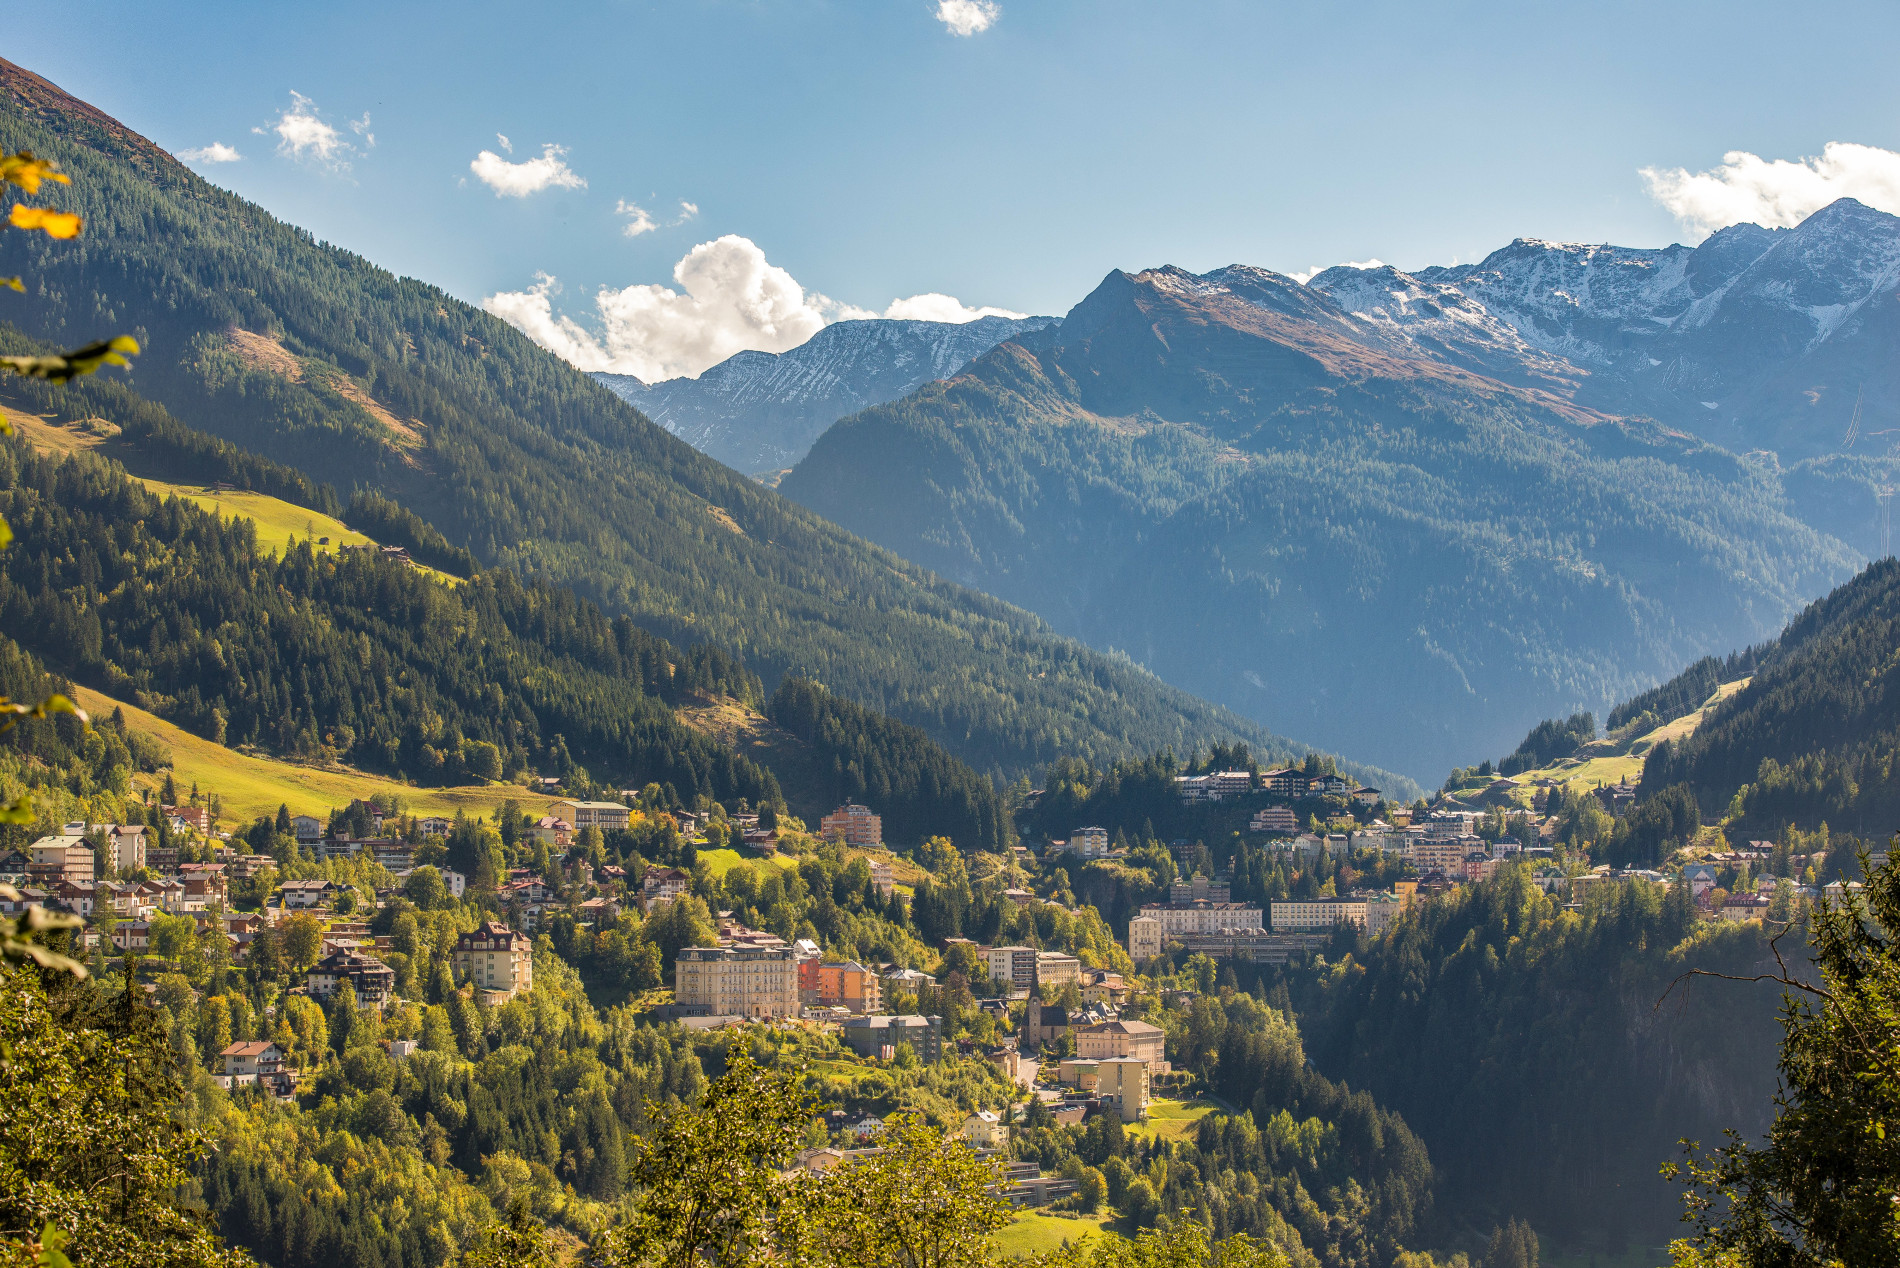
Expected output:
{"points": [[761, 411], [313, 357], [1409, 514]]}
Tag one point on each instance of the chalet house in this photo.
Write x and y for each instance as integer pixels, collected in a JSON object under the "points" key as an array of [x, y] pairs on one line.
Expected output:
{"points": [[13, 867], [434, 826], [245, 1060], [308, 829], [192, 818], [663, 885], [305, 895], [552, 830]]}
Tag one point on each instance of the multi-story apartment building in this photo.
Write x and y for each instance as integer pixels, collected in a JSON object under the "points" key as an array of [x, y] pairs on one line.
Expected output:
{"points": [[1318, 913], [497, 959], [883, 880], [1090, 842], [853, 824], [125, 848], [53, 859], [1012, 967], [1201, 916], [1199, 889], [1113, 1039], [1146, 937], [1122, 1083], [879, 1036], [598, 814], [845, 984], [371, 979], [1057, 970], [1274, 819], [738, 981]]}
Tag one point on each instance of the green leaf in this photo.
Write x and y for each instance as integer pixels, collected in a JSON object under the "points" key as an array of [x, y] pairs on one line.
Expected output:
{"points": [[61, 369]]}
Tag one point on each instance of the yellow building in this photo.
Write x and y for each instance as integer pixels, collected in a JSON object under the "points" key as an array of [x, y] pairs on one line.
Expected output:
{"points": [[497, 959]]}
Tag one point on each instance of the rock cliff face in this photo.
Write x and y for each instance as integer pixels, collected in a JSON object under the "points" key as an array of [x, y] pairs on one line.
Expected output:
{"points": [[761, 411]]}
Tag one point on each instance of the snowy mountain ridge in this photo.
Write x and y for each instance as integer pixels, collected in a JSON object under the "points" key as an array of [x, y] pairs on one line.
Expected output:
{"points": [[761, 411]]}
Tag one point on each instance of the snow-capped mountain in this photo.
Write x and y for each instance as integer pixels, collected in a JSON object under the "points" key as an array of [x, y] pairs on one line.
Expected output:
{"points": [[761, 411], [1757, 338]]}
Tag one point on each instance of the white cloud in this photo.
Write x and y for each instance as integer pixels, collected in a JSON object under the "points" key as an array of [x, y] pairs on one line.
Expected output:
{"points": [[1303, 278], [640, 221], [530, 176], [1776, 193], [508, 147], [302, 134], [968, 17], [216, 152], [936, 307], [730, 299]]}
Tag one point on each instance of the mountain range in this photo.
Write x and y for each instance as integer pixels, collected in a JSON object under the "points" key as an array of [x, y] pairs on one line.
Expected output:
{"points": [[312, 357], [759, 412], [1407, 538], [1769, 339]]}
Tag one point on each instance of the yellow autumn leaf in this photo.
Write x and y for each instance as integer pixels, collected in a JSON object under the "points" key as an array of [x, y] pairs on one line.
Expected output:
{"points": [[57, 224], [27, 172]]}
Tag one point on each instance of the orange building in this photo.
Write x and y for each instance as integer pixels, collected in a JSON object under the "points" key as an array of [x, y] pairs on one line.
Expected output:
{"points": [[845, 983], [854, 825]]}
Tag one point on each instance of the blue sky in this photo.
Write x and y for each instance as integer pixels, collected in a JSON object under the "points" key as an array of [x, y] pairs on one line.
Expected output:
{"points": [[871, 152]]}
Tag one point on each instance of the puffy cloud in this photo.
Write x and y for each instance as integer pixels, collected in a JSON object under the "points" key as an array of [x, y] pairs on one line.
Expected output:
{"points": [[730, 299], [1778, 192], [932, 306], [640, 221], [530, 176], [968, 17], [302, 134], [216, 152]]}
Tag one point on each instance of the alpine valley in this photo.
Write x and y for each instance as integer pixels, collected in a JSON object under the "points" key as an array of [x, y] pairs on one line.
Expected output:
{"points": [[1427, 508]]}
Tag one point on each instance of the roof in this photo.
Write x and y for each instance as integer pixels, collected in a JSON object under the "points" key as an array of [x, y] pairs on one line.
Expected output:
{"points": [[1135, 1029], [594, 805], [248, 1048]]}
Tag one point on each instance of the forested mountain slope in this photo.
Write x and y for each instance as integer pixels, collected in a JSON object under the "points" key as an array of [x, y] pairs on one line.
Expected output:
{"points": [[760, 411], [309, 355], [1388, 553], [349, 657], [1815, 735], [1541, 1054]]}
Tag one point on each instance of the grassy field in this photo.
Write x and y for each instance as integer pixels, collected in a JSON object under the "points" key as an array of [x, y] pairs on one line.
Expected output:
{"points": [[278, 521], [1171, 1119], [251, 786], [1033, 1232], [723, 861]]}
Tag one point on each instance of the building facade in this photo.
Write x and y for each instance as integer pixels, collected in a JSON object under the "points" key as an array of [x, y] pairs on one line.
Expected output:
{"points": [[738, 981], [604, 815], [497, 960], [1012, 968], [852, 824]]}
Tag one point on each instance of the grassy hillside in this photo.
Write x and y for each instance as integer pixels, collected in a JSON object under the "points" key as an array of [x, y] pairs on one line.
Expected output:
{"points": [[1609, 761], [316, 358], [252, 785], [1814, 735]]}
